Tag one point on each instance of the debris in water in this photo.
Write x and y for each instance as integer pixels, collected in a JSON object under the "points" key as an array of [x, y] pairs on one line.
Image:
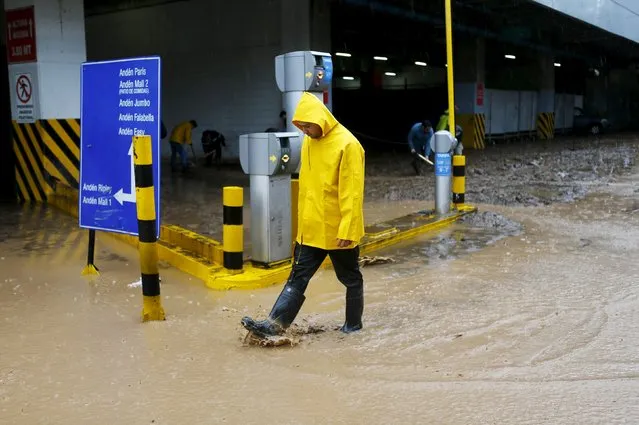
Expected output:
{"points": [[371, 261], [293, 336], [135, 284], [271, 341], [492, 220], [584, 242]]}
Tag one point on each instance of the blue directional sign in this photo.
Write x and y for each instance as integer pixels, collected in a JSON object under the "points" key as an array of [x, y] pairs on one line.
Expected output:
{"points": [[120, 99], [443, 166]]}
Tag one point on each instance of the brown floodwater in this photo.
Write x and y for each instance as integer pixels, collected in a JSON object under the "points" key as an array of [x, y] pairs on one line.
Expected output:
{"points": [[470, 325]]}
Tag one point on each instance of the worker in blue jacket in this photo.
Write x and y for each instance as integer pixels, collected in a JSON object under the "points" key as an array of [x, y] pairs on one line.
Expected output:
{"points": [[419, 142]]}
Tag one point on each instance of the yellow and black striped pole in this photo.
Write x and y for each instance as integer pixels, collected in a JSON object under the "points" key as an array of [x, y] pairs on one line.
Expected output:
{"points": [[148, 248], [459, 180], [233, 228]]}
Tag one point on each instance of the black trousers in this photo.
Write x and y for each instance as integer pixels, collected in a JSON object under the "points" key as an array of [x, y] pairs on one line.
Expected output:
{"points": [[217, 157], [307, 259]]}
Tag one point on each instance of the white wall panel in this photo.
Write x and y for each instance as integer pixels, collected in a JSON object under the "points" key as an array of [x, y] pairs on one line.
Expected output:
{"points": [[527, 110], [218, 60], [512, 111]]}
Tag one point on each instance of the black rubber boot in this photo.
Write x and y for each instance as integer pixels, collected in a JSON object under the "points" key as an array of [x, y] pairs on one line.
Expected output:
{"points": [[354, 310], [284, 311]]}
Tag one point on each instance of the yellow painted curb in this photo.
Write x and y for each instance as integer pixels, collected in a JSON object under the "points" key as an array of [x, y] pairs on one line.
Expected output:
{"points": [[378, 236], [66, 199], [201, 257]]}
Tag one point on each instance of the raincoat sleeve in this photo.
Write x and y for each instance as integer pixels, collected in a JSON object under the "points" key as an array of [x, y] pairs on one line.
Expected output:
{"points": [[411, 135], [187, 134], [351, 192], [443, 122]]}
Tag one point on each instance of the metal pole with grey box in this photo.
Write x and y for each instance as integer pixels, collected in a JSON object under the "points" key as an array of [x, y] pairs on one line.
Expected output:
{"points": [[442, 144], [297, 72], [270, 159]]}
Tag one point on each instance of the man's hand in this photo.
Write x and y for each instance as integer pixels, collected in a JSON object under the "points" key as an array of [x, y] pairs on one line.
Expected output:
{"points": [[342, 243], [413, 151]]}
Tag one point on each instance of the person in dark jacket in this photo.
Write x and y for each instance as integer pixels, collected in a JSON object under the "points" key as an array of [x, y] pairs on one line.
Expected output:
{"points": [[419, 139], [212, 142], [163, 131]]}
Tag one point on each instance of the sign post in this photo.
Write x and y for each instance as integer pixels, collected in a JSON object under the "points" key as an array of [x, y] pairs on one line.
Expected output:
{"points": [[120, 106], [120, 99]]}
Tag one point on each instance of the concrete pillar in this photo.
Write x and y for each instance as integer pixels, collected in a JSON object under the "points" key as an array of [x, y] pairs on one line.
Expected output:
{"points": [[7, 169], [46, 46], [546, 98], [306, 25], [470, 90]]}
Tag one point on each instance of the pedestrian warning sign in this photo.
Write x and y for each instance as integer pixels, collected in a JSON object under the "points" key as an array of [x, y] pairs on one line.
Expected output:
{"points": [[24, 88], [23, 95]]}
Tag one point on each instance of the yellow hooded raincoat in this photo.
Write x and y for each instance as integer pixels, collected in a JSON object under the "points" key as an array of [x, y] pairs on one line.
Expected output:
{"points": [[331, 181], [182, 133]]}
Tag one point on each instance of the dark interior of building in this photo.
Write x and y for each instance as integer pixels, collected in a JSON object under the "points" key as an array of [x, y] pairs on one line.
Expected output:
{"points": [[409, 30]]}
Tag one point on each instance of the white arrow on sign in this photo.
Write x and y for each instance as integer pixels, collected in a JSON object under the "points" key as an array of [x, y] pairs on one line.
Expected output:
{"points": [[122, 197]]}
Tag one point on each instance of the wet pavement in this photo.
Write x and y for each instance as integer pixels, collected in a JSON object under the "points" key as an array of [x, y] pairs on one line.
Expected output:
{"points": [[525, 174], [522, 315]]}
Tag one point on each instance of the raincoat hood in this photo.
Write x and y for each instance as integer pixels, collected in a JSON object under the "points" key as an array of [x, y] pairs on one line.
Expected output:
{"points": [[311, 109], [331, 180]]}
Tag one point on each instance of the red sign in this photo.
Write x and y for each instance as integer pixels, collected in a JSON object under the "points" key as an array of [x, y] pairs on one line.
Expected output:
{"points": [[21, 35], [480, 94]]}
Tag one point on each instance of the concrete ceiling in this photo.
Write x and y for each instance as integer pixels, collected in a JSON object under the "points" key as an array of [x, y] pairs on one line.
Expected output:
{"points": [[418, 25]]}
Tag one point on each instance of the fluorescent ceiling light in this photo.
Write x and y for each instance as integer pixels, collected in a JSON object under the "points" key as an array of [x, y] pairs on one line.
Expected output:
{"points": [[557, 64], [390, 74], [421, 63], [510, 56], [348, 78], [380, 58], [342, 54]]}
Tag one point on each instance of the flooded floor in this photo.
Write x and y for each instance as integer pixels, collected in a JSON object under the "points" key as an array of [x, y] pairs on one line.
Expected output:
{"points": [[517, 174], [488, 322]]}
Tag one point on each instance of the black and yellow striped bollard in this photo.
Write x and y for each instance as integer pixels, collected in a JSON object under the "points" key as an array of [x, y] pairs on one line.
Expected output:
{"points": [[459, 180], [148, 248], [233, 228]]}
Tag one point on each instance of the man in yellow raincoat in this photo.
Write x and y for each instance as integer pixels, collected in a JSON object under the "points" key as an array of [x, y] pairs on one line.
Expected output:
{"points": [[181, 136], [331, 217]]}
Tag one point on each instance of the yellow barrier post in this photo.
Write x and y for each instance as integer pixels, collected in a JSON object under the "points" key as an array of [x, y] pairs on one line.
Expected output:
{"points": [[90, 268], [148, 248], [459, 180], [449, 60], [233, 228]]}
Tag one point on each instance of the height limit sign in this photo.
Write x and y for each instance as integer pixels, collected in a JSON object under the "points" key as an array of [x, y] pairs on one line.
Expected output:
{"points": [[21, 35]]}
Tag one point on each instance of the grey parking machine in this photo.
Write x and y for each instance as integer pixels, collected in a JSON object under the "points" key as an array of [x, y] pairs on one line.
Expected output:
{"points": [[297, 72], [270, 159]]}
